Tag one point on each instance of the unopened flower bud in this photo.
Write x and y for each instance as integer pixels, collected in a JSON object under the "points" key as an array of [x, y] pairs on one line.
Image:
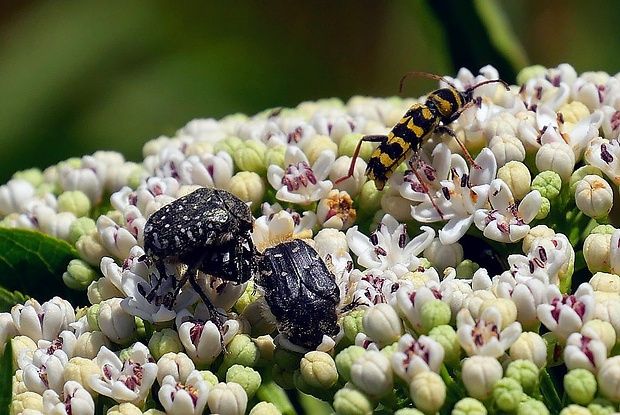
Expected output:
{"points": [[249, 379], [548, 183], [517, 176], [227, 399], [251, 157], [163, 342], [580, 385], [557, 157], [79, 275], [428, 392], [507, 148], [507, 394], [593, 196], [480, 374], [247, 186], [74, 201], [318, 369], [382, 324], [351, 401]]}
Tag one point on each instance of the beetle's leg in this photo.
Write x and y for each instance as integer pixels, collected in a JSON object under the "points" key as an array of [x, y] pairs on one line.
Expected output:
{"points": [[368, 138]]}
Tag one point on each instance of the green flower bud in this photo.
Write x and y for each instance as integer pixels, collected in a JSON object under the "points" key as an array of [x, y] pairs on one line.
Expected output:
{"points": [[265, 408], [574, 410], [548, 183], [382, 324], [344, 360], [507, 394], [545, 208], [579, 174], [248, 186], [316, 145], [594, 196], [349, 143], [368, 200], [434, 313], [447, 337], [79, 275], [557, 157], [33, 175], [209, 377], [242, 351], [580, 385], [351, 401], [466, 269], [469, 406], [81, 226], [526, 373], [165, 341], [532, 407], [251, 157], [600, 406], [530, 72], [352, 324], [74, 201], [428, 392], [249, 379], [318, 369], [517, 176], [275, 156], [229, 145]]}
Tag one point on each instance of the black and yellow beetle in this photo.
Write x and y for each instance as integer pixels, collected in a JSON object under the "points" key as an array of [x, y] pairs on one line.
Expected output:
{"points": [[419, 123]]}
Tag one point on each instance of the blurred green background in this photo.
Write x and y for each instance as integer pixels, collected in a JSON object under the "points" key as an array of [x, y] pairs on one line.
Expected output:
{"points": [[79, 76]]}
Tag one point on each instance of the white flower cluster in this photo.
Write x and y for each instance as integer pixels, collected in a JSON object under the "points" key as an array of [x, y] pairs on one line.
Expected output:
{"points": [[430, 295]]}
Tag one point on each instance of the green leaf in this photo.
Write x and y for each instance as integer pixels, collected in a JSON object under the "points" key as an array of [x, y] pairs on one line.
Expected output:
{"points": [[33, 263], [6, 377]]}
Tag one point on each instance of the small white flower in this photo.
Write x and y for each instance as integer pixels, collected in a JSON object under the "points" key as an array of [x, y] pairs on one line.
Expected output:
{"points": [[459, 197], [74, 400], [605, 154], [484, 335], [508, 220], [584, 352], [187, 397], [415, 356], [44, 321], [300, 183], [125, 381], [388, 245], [564, 314]]}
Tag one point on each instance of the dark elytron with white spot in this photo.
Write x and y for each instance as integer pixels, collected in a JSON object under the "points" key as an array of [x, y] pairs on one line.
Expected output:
{"points": [[301, 292], [207, 230]]}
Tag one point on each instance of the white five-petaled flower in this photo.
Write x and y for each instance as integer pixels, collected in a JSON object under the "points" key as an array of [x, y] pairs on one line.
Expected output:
{"points": [[128, 380], [416, 355], [508, 220], [460, 197], [389, 246], [188, 397], [299, 182], [484, 336], [564, 314]]}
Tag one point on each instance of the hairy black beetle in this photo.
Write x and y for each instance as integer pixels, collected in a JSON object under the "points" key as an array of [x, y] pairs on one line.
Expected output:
{"points": [[207, 231], [301, 292]]}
